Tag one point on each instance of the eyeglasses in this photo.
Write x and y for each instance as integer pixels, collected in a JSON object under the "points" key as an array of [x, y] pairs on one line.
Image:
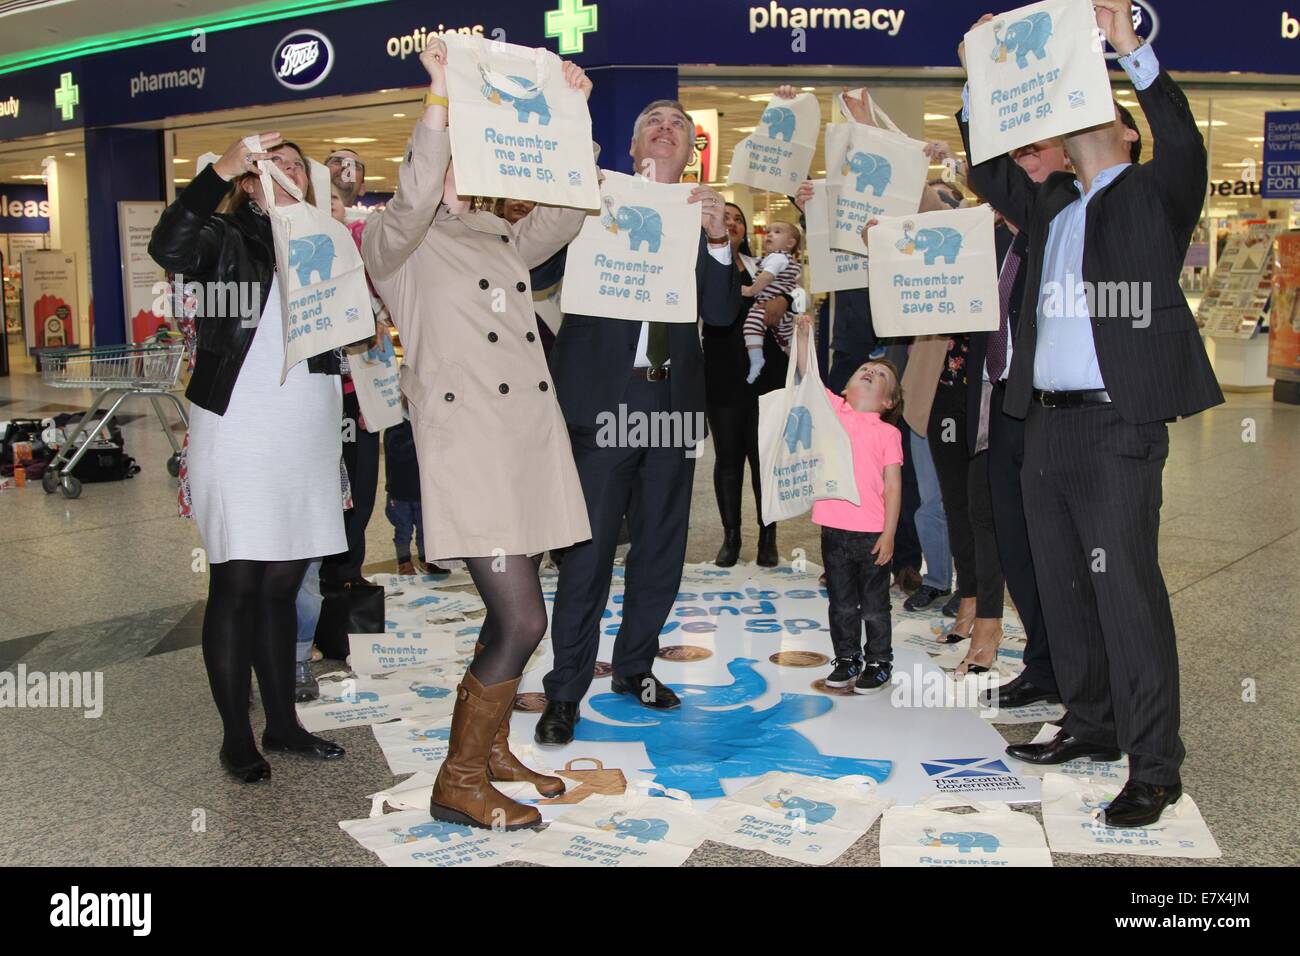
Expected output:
{"points": [[345, 162]]}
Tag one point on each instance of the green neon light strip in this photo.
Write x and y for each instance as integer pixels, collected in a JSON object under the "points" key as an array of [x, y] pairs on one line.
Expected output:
{"points": [[125, 40]]}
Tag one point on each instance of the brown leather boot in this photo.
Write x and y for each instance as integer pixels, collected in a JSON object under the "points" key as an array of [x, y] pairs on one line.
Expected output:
{"points": [[462, 793], [506, 767]]}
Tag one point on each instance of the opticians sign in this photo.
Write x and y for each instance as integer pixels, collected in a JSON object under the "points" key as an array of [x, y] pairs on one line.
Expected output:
{"points": [[1281, 155], [303, 59]]}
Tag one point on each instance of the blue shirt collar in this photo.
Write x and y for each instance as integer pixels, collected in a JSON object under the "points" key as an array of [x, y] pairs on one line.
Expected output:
{"points": [[1101, 180]]}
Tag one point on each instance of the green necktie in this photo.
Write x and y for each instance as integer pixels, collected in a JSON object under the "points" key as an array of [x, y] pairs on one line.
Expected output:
{"points": [[656, 349]]}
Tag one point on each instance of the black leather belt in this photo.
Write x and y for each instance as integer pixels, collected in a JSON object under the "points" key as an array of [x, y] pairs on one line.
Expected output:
{"points": [[1087, 396], [651, 374]]}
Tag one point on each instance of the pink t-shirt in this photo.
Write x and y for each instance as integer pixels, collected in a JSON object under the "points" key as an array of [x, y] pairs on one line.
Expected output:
{"points": [[876, 444]]}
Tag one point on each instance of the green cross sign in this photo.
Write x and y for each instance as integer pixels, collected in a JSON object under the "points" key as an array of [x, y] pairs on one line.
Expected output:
{"points": [[569, 23], [67, 95]]}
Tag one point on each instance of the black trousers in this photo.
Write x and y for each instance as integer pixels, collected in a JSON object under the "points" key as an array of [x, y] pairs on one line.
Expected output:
{"points": [[361, 458], [652, 488], [1005, 456], [734, 429], [964, 483], [907, 544], [858, 589], [1092, 492]]}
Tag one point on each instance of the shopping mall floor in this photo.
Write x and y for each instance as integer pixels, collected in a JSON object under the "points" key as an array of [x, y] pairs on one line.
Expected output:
{"points": [[104, 582]]}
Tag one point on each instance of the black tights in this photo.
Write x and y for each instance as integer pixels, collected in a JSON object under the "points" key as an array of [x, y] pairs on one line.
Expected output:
{"points": [[516, 615], [251, 620]]}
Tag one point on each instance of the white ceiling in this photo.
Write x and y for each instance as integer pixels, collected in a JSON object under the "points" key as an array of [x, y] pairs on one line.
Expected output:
{"points": [[33, 25]]}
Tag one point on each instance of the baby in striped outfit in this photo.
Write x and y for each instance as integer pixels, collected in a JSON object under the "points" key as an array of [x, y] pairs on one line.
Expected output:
{"points": [[778, 273]]}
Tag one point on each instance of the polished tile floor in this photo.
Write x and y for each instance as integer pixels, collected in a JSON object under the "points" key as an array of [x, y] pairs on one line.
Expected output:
{"points": [[106, 582]]}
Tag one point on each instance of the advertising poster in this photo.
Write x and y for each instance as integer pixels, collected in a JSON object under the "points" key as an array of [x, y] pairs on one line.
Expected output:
{"points": [[518, 130], [1035, 73], [140, 274], [703, 167], [1284, 324], [1281, 156], [51, 309]]}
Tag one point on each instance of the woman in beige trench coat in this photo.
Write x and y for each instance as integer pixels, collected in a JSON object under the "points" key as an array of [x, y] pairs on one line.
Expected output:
{"points": [[497, 477]]}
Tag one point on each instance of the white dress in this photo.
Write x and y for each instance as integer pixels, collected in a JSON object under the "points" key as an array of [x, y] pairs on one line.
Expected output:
{"points": [[264, 477]]}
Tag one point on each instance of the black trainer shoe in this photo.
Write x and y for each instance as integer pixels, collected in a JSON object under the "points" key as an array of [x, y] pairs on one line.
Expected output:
{"points": [[846, 671], [923, 597], [874, 677]]}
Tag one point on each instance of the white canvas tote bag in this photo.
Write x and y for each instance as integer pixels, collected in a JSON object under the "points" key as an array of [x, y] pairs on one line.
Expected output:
{"points": [[777, 156], [829, 270], [994, 836]]}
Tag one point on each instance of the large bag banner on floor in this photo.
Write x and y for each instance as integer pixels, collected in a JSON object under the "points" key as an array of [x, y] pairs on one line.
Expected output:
{"points": [[413, 838], [870, 172], [402, 650], [1035, 72], [995, 835], [799, 818], [631, 830], [518, 130], [1071, 813], [804, 451], [356, 701], [636, 258], [324, 298], [935, 273], [829, 270], [778, 154]]}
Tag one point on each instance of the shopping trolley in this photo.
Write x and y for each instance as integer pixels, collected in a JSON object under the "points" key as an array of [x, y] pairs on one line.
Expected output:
{"points": [[122, 371]]}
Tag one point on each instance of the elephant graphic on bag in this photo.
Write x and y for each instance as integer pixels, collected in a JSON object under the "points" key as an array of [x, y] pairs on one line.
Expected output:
{"points": [[517, 91], [440, 831], [963, 840], [810, 811], [1023, 37], [312, 254], [356, 697], [642, 224], [871, 169], [643, 831], [780, 122], [940, 242], [798, 428]]}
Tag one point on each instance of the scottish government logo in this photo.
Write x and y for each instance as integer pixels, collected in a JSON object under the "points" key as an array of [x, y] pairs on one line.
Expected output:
{"points": [[303, 59]]}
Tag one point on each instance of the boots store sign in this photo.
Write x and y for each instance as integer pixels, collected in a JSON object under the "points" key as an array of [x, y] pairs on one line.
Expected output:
{"points": [[303, 59]]}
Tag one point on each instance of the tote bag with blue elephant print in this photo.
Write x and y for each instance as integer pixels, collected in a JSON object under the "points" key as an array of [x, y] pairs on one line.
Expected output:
{"points": [[778, 154], [870, 172], [413, 838], [804, 452], [323, 293], [829, 270], [797, 817], [994, 836], [376, 375], [606, 832], [1035, 73], [518, 130], [934, 273], [635, 259]]}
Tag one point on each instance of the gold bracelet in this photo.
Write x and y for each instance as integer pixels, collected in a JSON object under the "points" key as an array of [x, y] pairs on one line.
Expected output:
{"points": [[433, 99]]}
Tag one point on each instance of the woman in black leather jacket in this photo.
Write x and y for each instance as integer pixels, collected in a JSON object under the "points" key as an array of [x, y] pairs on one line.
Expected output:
{"points": [[263, 456]]}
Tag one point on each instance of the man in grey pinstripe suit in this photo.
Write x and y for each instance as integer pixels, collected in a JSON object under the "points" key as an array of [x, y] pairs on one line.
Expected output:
{"points": [[1107, 352]]}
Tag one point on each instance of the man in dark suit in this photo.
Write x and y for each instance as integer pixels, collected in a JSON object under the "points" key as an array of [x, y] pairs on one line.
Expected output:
{"points": [[989, 426], [1108, 352], [598, 365]]}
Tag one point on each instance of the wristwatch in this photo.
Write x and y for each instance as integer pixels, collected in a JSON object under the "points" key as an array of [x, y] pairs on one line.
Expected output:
{"points": [[433, 99]]}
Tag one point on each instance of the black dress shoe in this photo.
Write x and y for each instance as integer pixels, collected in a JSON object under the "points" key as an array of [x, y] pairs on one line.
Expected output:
{"points": [[254, 772], [1140, 804], [1061, 748], [729, 553], [318, 749], [648, 689], [768, 556], [555, 726], [1019, 693]]}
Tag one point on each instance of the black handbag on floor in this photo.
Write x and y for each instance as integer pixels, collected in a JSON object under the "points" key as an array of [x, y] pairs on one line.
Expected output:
{"points": [[355, 609]]}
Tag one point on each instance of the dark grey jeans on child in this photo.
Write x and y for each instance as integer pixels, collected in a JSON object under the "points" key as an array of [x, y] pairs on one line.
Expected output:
{"points": [[859, 595]]}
